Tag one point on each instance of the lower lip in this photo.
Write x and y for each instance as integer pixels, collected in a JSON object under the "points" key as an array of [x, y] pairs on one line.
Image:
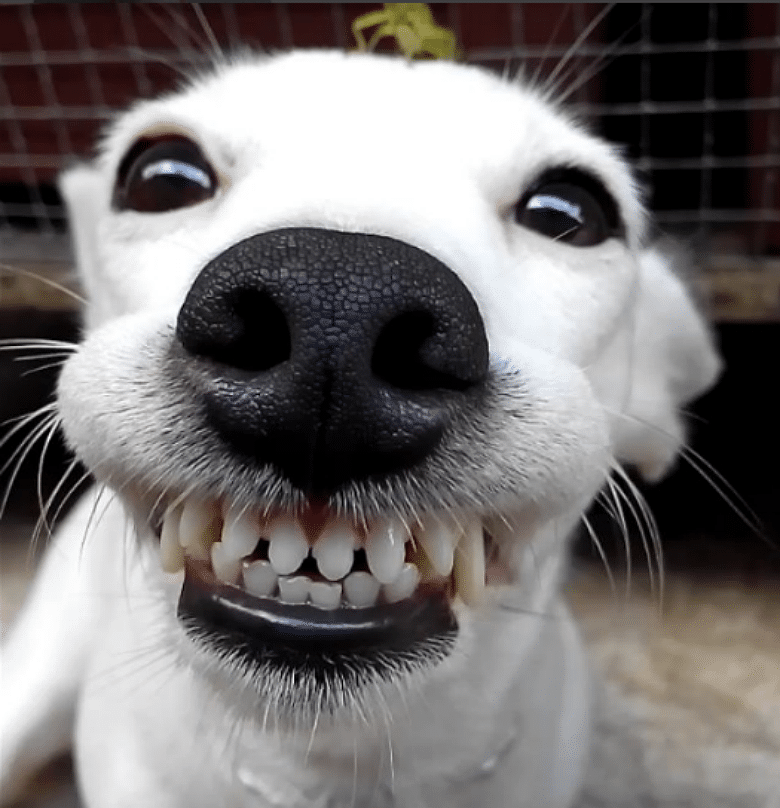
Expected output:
{"points": [[267, 625]]}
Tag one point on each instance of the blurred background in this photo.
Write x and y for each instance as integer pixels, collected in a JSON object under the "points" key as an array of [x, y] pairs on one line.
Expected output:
{"points": [[691, 92]]}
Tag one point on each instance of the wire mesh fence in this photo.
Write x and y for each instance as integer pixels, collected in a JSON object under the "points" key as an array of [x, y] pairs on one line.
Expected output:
{"points": [[691, 91]]}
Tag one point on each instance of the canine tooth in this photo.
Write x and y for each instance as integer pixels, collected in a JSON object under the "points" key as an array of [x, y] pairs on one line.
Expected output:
{"points": [[404, 585], [469, 564], [294, 589], [288, 545], [240, 532], [171, 552], [226, 567], [260, 579], [198, 529], [325, 595], [361, 589], [385, 549], [437, 539], [334, 550]]}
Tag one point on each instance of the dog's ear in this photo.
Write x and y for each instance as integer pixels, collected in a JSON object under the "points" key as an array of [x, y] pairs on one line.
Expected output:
{"points": [[662, 358], [81, 188]]}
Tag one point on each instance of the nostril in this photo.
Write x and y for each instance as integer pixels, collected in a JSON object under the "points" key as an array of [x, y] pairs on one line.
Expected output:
{"points": [[398, 356], [252, 334]]}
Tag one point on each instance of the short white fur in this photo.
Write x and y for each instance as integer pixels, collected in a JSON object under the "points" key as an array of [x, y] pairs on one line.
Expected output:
{"points": [[605, 339]]}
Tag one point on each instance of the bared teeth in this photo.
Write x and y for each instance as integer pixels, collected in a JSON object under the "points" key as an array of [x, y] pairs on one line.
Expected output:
{"points": [[361, 589], [225, 566], [294, 588], [260, 579], [198, 529], [404, 585], [171, 551], [438, 540], [229, 538], [386, 549], [325, 595], [240, 531], [288, 544], [469, 564], [334, 550]]}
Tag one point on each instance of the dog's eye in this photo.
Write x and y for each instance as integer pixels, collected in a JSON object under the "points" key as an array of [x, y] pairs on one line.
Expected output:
{"points": [[570, 206], [164, 173]]}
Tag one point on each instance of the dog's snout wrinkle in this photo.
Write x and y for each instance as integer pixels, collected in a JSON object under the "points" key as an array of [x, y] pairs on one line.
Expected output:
{"points": [[332, 356]]}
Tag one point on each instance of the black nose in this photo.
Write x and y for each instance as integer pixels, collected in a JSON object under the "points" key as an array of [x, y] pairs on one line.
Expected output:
{"points": [[332, 356]]}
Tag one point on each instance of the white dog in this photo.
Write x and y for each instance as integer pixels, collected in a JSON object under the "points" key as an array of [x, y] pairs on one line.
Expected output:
{"points": [[364, 339]]}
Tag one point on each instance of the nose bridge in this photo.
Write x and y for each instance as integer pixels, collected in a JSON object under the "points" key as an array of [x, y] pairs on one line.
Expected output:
{"points": [[365, 188], [351, 350]]}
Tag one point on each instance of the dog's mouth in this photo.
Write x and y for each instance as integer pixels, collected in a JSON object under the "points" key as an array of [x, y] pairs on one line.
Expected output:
{"points": [[312, 588]]}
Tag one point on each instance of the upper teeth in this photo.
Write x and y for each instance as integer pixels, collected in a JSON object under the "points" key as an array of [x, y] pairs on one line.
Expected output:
{"points": [[399, 556], [334, 550], [434, 538], [288, 547], [239, 531], [385, 549]]}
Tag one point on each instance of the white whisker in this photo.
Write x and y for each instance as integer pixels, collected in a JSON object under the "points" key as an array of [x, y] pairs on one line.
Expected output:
{"points": [[14, 270], [600, 550], [648, 530], [575, 46]]}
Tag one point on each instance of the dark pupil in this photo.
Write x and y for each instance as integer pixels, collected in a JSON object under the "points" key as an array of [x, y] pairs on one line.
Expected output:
{"points": [[554, 214], [165, 175], [172, 180]]}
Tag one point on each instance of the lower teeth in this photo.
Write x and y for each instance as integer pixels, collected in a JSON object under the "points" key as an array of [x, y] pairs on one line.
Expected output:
{"points": [[358, 590]]}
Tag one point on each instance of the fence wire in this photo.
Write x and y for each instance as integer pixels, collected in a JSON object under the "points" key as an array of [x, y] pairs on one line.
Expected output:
{"points": [[691, 91]]}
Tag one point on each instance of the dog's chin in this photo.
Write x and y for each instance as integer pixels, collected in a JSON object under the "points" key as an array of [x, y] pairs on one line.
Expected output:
{"points": [[314, 609], [311, 660]]}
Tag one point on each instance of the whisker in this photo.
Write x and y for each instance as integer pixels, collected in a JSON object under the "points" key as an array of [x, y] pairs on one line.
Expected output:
{"points": [[42, 368], [44, 280], [575, 46], [614, 506], [602, 554], [40, 343], [52, 431], [21, 452], [20, 421], [38, 357], [535, 80], [725, 490], [52, 519], [181, 24], [181, 44], [47, 418], [209, 31], [94, 519], [648, 530], [605, 58]]}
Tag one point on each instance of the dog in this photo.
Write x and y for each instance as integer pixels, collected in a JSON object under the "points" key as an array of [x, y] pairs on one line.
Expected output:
{"points": [[364, 339]]}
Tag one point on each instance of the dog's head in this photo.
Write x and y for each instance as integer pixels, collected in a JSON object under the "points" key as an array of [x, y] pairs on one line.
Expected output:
{"points": [[364, 339]]}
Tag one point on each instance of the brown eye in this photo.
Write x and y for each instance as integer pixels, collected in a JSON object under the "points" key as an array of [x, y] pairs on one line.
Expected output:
{"points": [[163, 173], [570, 206]]}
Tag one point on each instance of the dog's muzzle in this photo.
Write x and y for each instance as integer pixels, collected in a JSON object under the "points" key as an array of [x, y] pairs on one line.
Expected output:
{"points": [[334, 357], [334, 360]]}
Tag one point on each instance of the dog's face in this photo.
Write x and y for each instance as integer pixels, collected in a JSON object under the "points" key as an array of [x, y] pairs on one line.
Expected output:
{"points": [[364, 339]]}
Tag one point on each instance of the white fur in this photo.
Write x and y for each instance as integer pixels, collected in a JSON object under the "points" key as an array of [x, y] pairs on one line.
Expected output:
{"points": [[604, 338]]}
